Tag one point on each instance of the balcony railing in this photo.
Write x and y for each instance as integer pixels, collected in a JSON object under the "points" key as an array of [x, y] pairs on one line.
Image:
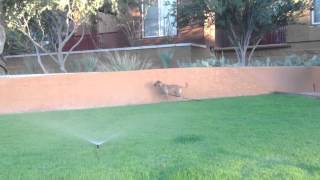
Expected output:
{"points": [[275, 37]]}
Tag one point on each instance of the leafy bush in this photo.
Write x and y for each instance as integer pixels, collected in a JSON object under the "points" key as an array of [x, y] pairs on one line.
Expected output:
{"points": [[125, 62]]}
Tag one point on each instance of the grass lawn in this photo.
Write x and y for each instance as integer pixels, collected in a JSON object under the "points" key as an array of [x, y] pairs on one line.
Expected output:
{"points": [[264, 137]]}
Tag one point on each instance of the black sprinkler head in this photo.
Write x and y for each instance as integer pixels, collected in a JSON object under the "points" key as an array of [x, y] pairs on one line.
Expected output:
{"points": [[98, 146]]}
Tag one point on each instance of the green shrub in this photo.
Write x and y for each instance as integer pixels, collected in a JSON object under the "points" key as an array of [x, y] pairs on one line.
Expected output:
{"points": [[31, 66], [2, 72], [166, 57], [84, 65], [290, 60], [213, 61], [314, 61], [125, 62]]}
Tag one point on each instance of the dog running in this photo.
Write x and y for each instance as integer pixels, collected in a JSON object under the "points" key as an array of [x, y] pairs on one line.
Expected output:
{"points": [[170, 89]]}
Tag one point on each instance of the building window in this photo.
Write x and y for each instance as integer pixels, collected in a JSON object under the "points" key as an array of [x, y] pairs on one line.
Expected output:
{"points": [[316, 12], [159, 18]]}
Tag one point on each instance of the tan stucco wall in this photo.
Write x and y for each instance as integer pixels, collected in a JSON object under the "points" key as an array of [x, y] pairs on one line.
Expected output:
{"points": [[303, 29], [303, 37], [200, 53], [86, 90], [302, 33]]}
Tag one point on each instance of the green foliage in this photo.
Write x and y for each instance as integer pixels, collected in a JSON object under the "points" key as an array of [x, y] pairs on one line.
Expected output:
{"points": [[263, 14], [198, 63], [119, 7], [260, 15], [166, 57], [246, 21], [83, 65], [314, 61], [213, 61], [117, 61], [192, 12], [290, 60], [36, 17], [17, 43], [30, 67], [49, 25]]}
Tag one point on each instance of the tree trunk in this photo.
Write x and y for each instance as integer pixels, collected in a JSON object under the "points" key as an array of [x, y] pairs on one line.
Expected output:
{"points": [[61, 60], [254, 49], [40, 60], [3, 65], [2, 43]]}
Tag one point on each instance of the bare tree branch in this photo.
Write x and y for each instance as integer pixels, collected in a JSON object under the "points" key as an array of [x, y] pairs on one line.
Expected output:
{"points": [[75, 45]]}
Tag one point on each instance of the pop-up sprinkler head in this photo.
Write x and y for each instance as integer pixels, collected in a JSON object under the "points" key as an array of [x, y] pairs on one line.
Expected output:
{"points": [[98, 146]]}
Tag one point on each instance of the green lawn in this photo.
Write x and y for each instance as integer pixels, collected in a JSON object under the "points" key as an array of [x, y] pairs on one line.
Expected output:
{"points": [[264, 137]]}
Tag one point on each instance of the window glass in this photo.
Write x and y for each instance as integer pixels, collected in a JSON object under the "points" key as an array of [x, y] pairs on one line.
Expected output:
{"points": [[168, 19], [151, 18], [159, 19], [316, 11]]}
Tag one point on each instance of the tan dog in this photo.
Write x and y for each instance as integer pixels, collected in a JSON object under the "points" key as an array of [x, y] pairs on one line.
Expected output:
{"points": [[170, 90]]}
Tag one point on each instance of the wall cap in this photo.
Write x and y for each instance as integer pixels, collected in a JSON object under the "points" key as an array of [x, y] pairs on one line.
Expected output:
{"points": [[116, 49]]}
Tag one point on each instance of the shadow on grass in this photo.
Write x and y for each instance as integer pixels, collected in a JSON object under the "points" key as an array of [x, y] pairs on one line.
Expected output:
{"points": [[188, 139]]}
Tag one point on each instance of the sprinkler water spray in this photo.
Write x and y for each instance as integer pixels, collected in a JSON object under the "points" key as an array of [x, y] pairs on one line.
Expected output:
{"points": [[98, 144]]}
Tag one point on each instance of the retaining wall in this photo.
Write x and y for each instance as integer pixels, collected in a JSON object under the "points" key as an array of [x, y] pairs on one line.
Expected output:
{"points": [[86, 90]]}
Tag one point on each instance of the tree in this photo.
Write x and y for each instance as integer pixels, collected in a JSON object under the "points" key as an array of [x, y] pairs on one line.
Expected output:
{"points": [[195, 12], [2, 43], [247, 21], [49, 25]]}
